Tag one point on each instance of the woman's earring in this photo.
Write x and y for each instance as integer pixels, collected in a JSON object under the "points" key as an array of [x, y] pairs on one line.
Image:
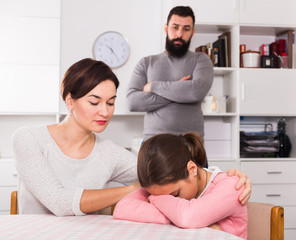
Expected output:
{"points": [[195, 173]]}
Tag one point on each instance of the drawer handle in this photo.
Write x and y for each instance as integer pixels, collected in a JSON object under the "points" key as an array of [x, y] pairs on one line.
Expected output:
{"points": [[274, 172], [14, 174], [273, 195]]}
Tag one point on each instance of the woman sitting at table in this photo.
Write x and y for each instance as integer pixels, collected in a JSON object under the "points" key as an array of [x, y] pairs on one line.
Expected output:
{"points": [[175, 188], [65, 168]]}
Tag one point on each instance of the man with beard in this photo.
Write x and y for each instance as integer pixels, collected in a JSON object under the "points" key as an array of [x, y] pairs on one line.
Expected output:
{"points": [[170, 86]]}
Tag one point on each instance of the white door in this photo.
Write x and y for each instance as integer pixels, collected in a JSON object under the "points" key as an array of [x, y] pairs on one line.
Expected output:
{"points": [[268, 12], [267, 92]]}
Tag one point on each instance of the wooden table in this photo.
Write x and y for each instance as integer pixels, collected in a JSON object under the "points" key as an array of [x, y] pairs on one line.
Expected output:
{"points": [[101, 227]]}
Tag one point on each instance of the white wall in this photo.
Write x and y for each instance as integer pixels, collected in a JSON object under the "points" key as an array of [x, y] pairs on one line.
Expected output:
{"points": [[82, 21], [29, 66]]}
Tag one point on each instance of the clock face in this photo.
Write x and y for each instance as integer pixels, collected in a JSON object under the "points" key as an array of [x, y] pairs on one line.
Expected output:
{"points": [[111, 48]]}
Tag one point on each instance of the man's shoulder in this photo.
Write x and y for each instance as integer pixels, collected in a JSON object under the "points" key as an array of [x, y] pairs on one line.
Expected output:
{"points": [[197, 55], [155, 56], [151, 59]]}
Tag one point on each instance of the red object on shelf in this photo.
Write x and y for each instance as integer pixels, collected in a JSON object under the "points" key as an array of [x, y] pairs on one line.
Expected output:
{"points": [[282, 46], [242, 49], [264, 49]]}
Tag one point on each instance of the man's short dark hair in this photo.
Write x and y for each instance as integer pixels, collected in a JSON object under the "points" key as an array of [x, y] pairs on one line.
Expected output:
{"points": [[182, 11]]}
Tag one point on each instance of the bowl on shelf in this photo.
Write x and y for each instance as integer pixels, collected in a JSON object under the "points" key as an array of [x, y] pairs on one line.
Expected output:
{"points": [[251, 59]]}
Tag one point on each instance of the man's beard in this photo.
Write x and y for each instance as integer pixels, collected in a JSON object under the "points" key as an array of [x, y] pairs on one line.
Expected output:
{"points": [[177, 50]]}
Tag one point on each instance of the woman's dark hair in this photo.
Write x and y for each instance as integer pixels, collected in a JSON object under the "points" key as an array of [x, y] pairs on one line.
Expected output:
{"points": [[181, 11], [163, 158], [85, 75]]}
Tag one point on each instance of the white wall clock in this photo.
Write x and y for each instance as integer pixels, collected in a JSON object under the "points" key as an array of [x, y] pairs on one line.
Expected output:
{"points": [[112, 48]]}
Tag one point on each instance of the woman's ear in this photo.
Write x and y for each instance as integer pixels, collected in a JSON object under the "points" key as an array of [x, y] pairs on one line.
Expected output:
{"points": [[192, 168], [69, 102]]}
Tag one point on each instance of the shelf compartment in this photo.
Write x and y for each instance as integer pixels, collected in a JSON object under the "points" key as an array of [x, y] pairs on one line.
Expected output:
{"points": [[220, 135], [290, 131]]}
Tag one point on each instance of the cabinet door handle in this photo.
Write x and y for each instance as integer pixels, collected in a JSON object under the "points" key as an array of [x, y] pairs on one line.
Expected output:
{"points": [[275, 172], [14, 174], [234, 4], [273, 195], [243, 92], [242, 5]]}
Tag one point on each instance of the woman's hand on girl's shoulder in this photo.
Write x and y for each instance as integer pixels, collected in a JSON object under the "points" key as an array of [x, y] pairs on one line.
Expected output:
{"points": [[243, 181]]}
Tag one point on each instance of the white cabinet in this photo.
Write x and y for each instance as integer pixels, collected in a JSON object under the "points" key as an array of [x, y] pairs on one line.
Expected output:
{"points": [[29, 60], [8, 183], [254, 95], [270, 172], [265, 95], [29, 88], [274, 182], [268, 12], [267, 92], [219, 137]]}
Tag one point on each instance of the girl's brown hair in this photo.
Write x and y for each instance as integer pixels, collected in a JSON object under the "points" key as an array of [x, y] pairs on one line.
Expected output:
{"points": [[163, 158], [85, 75]]}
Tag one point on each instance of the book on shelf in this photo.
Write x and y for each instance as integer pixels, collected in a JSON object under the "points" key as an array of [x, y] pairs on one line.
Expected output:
{"points": [[294, 52], [274, 50], [223, 46], [202, 48], [219, 51], [227, 46], [220, 45], [264, 49], [206, 49], [286, 45]]}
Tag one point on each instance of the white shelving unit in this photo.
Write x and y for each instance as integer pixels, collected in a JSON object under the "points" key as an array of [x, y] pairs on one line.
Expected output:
{"points": [[254, 95], [265, 96]]}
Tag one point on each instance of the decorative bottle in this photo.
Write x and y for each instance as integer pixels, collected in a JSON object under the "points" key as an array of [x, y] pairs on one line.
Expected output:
{"points": [[284, 140]]}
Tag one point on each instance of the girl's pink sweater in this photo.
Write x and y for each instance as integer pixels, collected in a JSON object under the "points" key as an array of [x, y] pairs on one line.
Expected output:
{"points": [[219, 204]]}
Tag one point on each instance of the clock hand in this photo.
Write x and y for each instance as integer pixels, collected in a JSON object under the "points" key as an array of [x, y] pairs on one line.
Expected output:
{"points": [[112, 51], [109, 47]]}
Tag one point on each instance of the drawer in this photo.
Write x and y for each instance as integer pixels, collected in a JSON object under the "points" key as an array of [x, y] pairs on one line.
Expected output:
{"points": [[5, 193], [290, 217], [278, 194], [270, 172], [8, 175]]}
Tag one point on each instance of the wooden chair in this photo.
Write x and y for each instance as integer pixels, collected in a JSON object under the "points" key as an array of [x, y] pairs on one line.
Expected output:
{"points": [[265, 221], [14, 208], [13, 203]]}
